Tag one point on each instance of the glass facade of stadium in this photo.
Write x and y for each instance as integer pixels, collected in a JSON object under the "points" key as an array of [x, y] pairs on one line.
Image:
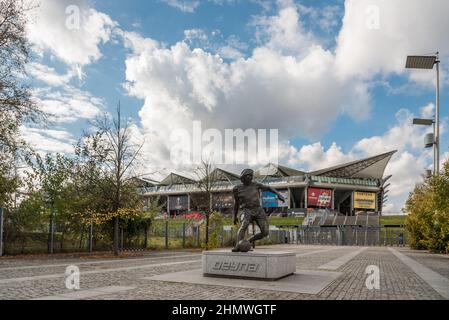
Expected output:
{"points": [[346, 189]]}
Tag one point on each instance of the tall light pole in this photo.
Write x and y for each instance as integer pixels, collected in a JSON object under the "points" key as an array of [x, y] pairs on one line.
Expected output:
{"points": [[427, 62], [437, 114]]}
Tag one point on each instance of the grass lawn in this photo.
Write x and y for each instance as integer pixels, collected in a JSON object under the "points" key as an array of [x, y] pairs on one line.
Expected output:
{"points": [[275, 221], [392, 220], [288, 221], [173, 243]]}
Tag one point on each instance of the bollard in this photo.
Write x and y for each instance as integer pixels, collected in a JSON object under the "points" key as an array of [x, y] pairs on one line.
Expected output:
{"points": [[183, 235], [166, 234]]}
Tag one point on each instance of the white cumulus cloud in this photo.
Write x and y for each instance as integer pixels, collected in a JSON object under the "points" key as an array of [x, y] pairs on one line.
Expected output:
{"points": [[376, 36], [69, 104], [48, 141], [53, 29], [298, 93]]}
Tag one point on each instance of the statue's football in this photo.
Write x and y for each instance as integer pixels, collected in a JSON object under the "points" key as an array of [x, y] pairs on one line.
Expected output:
{"points": [[244, 245]]}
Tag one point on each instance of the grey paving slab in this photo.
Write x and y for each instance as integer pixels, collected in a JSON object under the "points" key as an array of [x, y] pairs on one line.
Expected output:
{"points": [[397, 279], [305, 254], [432, 278], [437, 262], [302, 281], [83, 294], [340, 261], [52, 276], [96, 262]]}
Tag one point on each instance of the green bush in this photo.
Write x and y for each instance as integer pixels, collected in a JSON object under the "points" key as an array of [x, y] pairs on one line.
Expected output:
{"points": [[216, 222], [427, 223]]}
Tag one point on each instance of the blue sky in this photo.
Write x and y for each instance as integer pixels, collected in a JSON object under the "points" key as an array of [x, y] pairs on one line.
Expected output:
{"points": [[335, 91]]}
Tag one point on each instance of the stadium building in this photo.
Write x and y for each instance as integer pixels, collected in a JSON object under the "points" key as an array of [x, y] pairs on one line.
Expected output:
{"points": [[347, 189]]}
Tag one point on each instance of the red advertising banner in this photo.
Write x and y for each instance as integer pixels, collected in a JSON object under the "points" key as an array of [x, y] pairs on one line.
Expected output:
{"points": [[319, 197]]}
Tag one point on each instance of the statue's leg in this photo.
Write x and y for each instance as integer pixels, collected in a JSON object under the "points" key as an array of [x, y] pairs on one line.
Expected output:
{"points": [[262, 223], [245, 221]]}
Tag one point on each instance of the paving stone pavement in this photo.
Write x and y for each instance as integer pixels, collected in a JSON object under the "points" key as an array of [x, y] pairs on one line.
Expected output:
{"points": [[44, 277]]}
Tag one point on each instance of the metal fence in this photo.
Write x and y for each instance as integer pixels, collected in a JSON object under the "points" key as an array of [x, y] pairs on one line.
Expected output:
{"points": [[341, 236], [161, 236], [166, 235]]}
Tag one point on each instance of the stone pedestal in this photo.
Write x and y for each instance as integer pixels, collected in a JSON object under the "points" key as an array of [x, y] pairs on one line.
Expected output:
{"points": [[262, 265]]}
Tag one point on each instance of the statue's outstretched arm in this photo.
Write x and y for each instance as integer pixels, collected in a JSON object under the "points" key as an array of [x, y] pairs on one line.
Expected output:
{"points": [[268, 188]]}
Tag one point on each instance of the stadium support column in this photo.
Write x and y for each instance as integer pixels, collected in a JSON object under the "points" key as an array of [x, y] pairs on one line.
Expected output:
{"points": [[333, 199], [378, 194], [305, 197], [168, 206], [289, 198], [306, 191], [188, 202], [352, 203], [380, 203]]}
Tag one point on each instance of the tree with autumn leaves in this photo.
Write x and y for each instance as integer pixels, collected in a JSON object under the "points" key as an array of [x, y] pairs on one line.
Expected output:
{"points": [[104, 180], [427, 221], [93, 189]]}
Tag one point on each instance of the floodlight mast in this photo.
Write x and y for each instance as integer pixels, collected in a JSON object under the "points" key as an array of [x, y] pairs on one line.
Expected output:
{"points": [[437, 115], [427, 62]]}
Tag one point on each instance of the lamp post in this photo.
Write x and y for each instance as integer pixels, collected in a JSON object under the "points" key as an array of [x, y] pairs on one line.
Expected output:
{"points": [[427, 62]]}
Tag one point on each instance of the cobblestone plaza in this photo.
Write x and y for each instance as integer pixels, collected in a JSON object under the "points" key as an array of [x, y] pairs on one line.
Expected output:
{"points": [[403, 274]]}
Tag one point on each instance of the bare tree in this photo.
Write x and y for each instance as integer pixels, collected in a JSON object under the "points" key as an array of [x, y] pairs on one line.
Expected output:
{"points": [[207, 180], [119, 158]]}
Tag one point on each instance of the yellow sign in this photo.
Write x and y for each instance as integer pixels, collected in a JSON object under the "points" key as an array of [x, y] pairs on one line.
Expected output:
{"points": [[364, 200]]}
